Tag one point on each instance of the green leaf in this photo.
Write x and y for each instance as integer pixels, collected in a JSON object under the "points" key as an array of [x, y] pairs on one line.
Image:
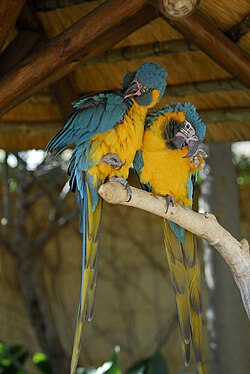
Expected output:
{"points": [[12, 358], [42, 363]]}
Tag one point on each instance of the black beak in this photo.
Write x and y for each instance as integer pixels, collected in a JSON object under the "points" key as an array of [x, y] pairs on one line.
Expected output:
{"points": [[134, 89], [192, 148]]}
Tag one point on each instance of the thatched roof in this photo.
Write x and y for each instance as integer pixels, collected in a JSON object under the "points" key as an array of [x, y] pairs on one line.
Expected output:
{"points": [[31, 123]]}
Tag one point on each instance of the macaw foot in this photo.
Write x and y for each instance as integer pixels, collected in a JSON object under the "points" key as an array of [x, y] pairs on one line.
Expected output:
{"points": [[113, 160], [124, 182], [195, 158], [169, 200]]}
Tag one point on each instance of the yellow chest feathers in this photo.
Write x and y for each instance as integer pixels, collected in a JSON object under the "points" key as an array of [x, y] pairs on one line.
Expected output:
{"points": [[123, 140], [165, 169]]}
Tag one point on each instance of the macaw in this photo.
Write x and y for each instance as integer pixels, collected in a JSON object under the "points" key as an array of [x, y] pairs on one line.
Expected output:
{"points": [[168, 164], [106, 129]]}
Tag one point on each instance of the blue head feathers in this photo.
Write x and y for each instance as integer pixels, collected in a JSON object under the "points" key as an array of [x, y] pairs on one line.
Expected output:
{"points": [[191, 116], [152, 76], [190, 113], [140, 84]]}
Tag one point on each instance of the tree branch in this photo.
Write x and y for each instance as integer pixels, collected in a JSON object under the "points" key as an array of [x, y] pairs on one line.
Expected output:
{"points": [[206, 226]]}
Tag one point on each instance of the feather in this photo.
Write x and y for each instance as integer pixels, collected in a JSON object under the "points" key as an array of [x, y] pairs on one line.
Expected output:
{"points": [[92, 115], [91, 224], [179, 279]]}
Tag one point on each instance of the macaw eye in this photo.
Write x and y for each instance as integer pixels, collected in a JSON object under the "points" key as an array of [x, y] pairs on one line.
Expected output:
{"points": [[188, 125], [188, 128]]}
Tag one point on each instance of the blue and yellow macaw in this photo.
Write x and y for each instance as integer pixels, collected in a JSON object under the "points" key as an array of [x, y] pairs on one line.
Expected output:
{"points": [[168, 165], [106, 129]]}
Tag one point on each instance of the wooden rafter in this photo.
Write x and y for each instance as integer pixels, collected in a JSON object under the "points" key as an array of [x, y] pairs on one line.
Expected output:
{"points": [[20, 47], [212, 42], [89, 37], [216, 85], [62, 90], [145, 50], [49, 128], [9, 11], [239, 30]]}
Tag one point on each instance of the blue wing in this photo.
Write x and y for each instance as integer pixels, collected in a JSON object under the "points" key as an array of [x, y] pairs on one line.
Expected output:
{"points": [[91, 115]]}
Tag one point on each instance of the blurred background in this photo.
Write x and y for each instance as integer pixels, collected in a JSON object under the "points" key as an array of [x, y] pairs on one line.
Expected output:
{"points": [[135, 328]]}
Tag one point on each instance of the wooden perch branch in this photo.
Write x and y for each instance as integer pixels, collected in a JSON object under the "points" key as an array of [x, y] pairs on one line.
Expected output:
{"points": [[206, 226]]}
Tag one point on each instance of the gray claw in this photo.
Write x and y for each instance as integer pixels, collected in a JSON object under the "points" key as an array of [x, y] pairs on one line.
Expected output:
{"points": [[113, 160], [195, 157], [124, 182], [169, 200]]}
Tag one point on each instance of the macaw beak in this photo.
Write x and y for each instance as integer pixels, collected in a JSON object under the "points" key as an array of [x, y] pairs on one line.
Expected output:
{"points": [[134, 89], [180, 140], [193, 146]]}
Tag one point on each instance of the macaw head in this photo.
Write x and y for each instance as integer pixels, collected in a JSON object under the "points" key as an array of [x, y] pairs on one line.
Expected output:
{"points": [[185, 127], [146, 85]]}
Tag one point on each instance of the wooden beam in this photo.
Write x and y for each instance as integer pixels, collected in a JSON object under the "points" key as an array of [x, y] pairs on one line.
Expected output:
{"points": [[95, 33], [176, 9], [225, 115], [181, 90], [30, 128], [63, 90], [18, 49], [64, 94], [190, 89], [46, 5], [9, 11], [212, 42], [239, 30], [144, 50], [49, 128]]}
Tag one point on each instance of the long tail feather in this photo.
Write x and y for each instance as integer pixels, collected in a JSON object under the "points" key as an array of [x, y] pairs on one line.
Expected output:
{"points": [[185, 277], [91, 222]]}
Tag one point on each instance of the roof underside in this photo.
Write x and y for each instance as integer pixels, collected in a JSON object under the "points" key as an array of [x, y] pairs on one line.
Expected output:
{"points": [[224, 105]]}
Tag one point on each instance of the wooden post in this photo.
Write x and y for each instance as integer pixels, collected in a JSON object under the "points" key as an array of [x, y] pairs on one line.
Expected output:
{"points": [[9, 11], [212, 42], [176, 9], [96, 32]]}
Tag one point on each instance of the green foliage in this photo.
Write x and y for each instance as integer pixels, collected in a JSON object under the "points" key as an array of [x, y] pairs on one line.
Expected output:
{"points": [[12, 359], [42, 363]]}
